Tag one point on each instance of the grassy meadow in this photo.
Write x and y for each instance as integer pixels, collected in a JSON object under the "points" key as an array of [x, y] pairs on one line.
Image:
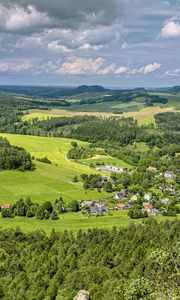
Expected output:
{"points": [[107, 160], [47, 182], [135, 109], [74, 222]]}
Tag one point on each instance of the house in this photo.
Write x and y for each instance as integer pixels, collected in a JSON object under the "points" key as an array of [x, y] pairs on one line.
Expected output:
{"points": [[115, 169], [165, 200], [154, 212], [121, 195], [6, 206], [96, 210], [147, 206], [120, 206], [92, 211], [101, 203], [86, 203], [111, 169], [130, 204], [169, 175], [148, 196], [135, 197]]}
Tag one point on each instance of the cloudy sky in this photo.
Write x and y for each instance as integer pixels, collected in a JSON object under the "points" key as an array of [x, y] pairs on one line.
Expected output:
{"points": [[124, 43]]}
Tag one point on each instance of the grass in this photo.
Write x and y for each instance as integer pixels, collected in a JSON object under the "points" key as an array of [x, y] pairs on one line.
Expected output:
{"points": [[139, 147], [73, 222], [136, 110], [107, 160], [146, 115], [47, 182], [40, 116]]}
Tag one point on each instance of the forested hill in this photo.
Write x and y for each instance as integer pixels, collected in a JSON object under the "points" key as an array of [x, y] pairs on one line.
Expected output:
{"points": [[13, 157], [51, 92], [138, 262]]}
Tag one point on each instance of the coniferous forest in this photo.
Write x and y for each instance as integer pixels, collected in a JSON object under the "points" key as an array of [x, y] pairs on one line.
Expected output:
{"points": [[138, 262]]}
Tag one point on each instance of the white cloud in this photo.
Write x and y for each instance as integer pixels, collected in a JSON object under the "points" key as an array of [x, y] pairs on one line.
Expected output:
{"points": [[172, 73], [79, 65], [151, 68], [146, 69], [121, 70], [55, 46], [170, 30], [107, 70], [15, 65]]}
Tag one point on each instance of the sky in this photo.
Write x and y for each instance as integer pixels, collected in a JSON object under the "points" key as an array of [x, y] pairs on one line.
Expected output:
{"points": [[114, 43]]}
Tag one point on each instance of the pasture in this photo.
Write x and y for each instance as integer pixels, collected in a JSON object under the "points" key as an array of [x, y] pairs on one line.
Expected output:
{"points": [[73, 222], [107, 160], [47, 182], [136, 110]]}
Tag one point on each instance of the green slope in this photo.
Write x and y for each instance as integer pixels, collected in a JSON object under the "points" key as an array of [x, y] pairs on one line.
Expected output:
{"points": [[48, 181]]}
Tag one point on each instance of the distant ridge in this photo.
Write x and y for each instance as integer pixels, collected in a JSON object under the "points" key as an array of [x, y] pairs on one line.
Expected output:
{"points": [[51, 92], [91, 89], [174, 89]]}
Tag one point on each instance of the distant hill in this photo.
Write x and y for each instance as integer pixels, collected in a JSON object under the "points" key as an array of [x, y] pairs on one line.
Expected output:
{"points": [[91, 89], [174, 89], [51, 92]]}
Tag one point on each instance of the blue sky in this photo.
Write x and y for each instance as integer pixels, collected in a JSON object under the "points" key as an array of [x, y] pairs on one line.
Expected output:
{"points": [[122, 43]]}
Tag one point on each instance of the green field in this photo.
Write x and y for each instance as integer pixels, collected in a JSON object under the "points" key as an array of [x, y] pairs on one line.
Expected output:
{"points": [[47, 182], [107, 161], [107, 107], [73, 221], [40, 116], [134, 109]]}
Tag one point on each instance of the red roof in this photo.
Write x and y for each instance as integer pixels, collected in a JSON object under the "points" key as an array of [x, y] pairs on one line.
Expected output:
{"points": [[148, 206], [6, 206]]}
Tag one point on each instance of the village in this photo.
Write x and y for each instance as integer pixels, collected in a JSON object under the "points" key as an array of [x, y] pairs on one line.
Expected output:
{"points": [[143, 204], [138, 204]]}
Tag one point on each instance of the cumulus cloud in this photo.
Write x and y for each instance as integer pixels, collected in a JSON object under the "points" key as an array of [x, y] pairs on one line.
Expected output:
{"points": [[15, 65], [79, 65], [146, 69], [55, 46], [121, 70], [170, 30], [107, 70], [88, 66]]}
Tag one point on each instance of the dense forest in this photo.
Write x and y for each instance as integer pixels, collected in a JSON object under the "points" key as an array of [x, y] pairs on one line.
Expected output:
{"points": [[13, 157], [137, 262]]}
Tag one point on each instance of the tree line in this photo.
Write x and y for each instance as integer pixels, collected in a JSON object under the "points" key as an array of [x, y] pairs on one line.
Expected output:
{"points": [[13, 157], [133, 263]]}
